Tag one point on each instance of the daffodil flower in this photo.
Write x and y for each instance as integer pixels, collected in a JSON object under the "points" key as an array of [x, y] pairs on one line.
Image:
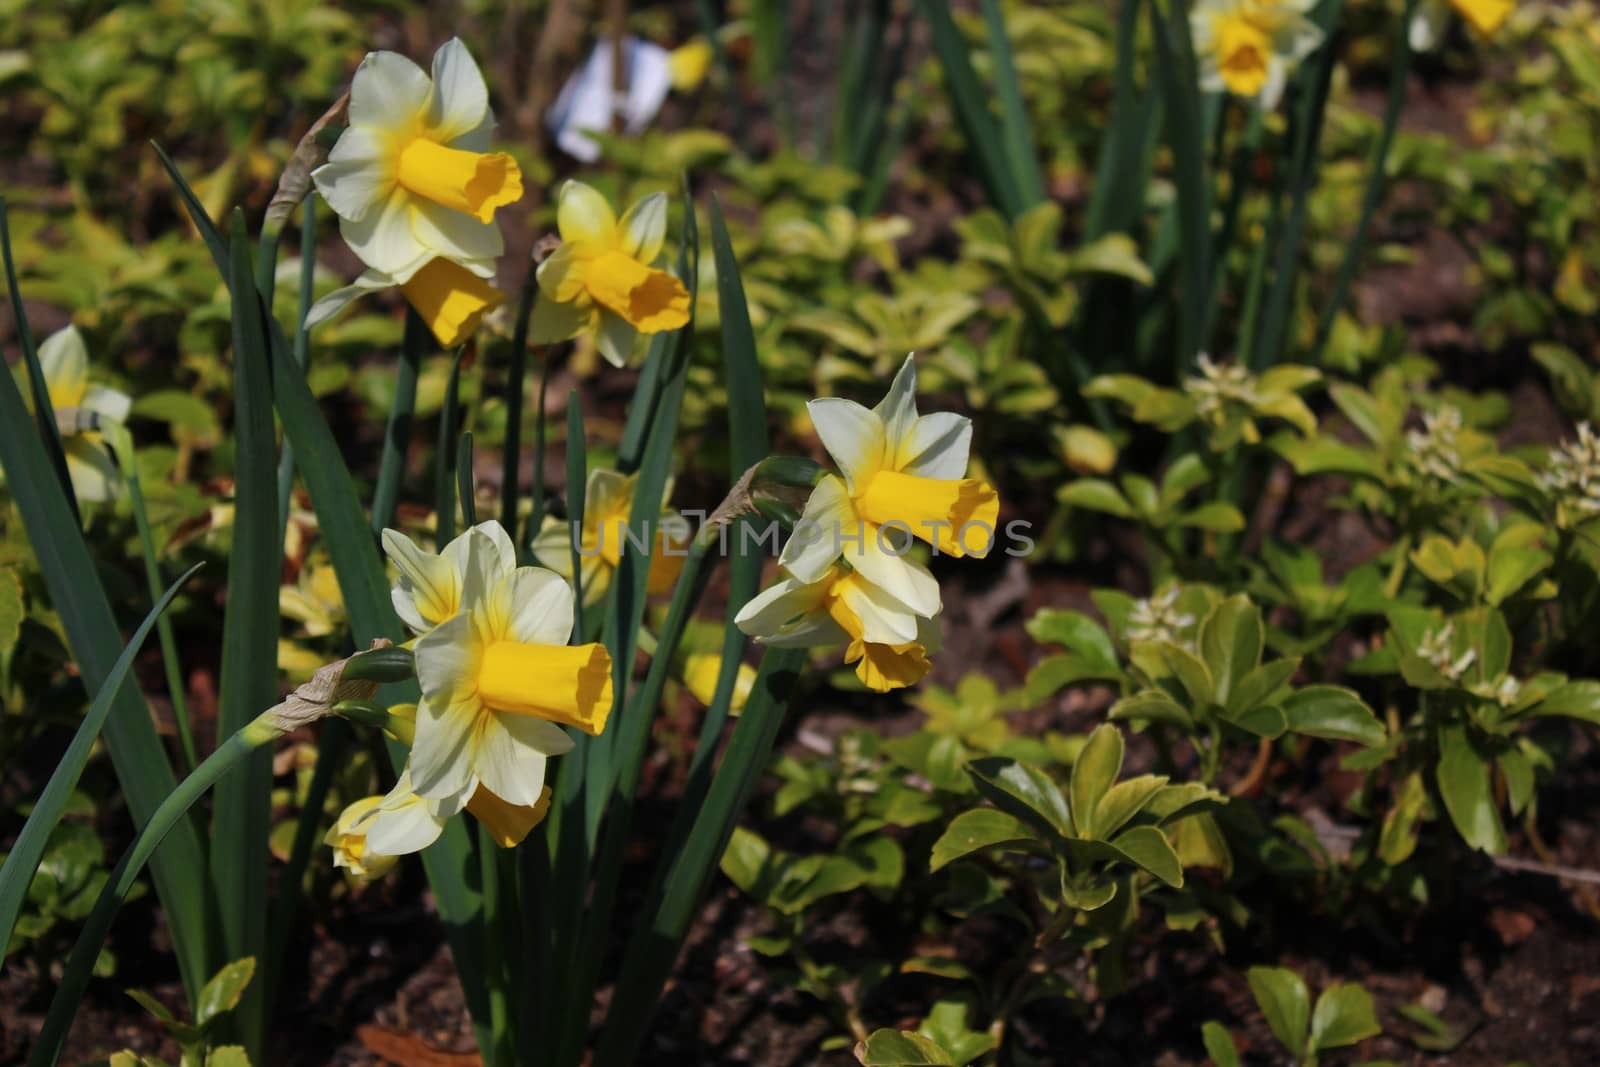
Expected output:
{"points": [[371, 834], [701, 672], [603, 278], [431, 586], [498, 679], [886, 640], [450, 297], [607, 504], [1248, 47], [903, 474], [64, 363], [1432, 16], [348, 839], [411, 177]]}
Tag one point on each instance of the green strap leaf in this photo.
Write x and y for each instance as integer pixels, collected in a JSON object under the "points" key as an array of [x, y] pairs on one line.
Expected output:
{"points": [[249, 682]]}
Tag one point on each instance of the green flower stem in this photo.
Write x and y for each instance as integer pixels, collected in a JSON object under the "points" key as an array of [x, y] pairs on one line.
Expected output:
{"points": [[1377, 180], [498, 1054], [116, 435], [97, 927], [516, 377], [302, 354]]}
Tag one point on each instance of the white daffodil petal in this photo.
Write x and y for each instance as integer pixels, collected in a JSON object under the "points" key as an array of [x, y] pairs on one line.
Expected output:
{"points": [[429, 589], [513, 753], [404, 823], [64, 364], [444, 754], [368, 282], [358, 177], [937, 447], [884, 620], [582, 214], [898, 409], [853, 435], [902, 578], [447, 661], [541, 607], [452, 234], [644, 228], [93, 472], [460, 99], [552, 546], [616, 339], [553, 322], [107, 403], [388, 91], [383, 238], [829, 518], [780, 605]]}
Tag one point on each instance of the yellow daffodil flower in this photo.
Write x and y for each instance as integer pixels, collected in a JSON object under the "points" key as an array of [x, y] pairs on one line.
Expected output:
{"points": [[450, 297], [411, 177], [1248, 47], [1429, 22], [607, 503], [687, 64], [372, 833], [64, 363], [701, 671], [903, 476], [886, 640], [416, 189], [348, 839], [603, 278], [431, 587], [498, 678]]}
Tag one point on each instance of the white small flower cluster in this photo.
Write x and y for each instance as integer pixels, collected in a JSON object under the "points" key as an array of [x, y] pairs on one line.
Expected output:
{"points": [[1435, 649], [1573, 473], [1219, 384], [1504, 692], [1157, 618], [1435, 450]]}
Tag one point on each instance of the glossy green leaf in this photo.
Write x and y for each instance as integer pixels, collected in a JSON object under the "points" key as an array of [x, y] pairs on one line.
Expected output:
{"points": [[1093, 774], [1230, 643], [1344, 1015], [977, 829], [1284, 1000], [1122, 802], [1219, 1044], [1152, 705], [1024, 791], [1334, 713], [225, 989], [901, 1048], [1468, 792], [1150, 850]]}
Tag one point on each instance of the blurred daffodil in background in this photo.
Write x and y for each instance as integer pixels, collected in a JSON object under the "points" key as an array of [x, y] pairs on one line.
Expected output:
{"points": [[64, 363], [1432, 18], [607, 503], [604, 279], [1249, 47], [416, 189]]}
